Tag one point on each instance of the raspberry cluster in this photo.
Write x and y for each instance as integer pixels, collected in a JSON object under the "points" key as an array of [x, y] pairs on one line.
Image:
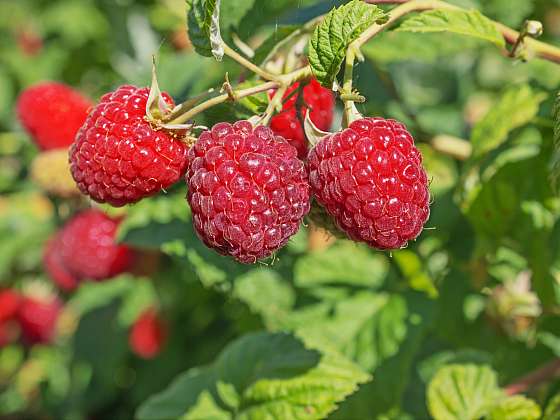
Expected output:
{"points": [[370, 179], [314, 98], [85, 249], [248, 191], [119, 157]]}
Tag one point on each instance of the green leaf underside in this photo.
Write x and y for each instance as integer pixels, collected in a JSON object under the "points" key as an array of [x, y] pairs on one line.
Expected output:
{"points": [[516, 407], [462, 392], [261, 375], [463, 22], [203, 27], [552, 411], [327, 46], [516, 107], [555, 163]]}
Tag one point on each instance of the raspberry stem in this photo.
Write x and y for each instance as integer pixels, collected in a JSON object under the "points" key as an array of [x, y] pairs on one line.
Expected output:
{"points": [[184, 112], [234, 55]]}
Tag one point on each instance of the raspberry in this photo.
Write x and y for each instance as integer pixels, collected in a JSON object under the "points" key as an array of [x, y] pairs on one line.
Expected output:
{"points": [[147, 335], [52, 113], [320, 102], [369, 177], [9, 304], [248, 191], [85, 248], [37, 318], [50, 170], [118, 157]]}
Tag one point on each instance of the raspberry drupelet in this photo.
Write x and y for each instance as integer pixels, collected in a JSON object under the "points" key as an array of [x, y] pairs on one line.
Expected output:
{"points": [[369, 178], [248, 190]]}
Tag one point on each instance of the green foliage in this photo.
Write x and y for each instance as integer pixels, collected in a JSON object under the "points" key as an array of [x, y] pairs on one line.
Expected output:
{"points": [[462, 392], [261, 375], [341, 331], [555, 164], [471, 392], [469, 23], [327, 46], [204, 27], [552, 411], [520, 104]]}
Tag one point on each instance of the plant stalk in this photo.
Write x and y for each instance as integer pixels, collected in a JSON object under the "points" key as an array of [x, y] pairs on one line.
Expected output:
{"points": [[231, 53], [181, 116]]}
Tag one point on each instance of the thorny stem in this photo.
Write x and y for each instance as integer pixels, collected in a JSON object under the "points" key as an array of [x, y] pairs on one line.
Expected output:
{"points": [[231, 53]]}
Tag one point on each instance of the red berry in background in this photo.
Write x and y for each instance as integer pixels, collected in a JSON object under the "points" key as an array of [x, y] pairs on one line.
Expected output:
{"points": [[316, 98], [85, 248], [118, 157], [9, 304], [147, 335], [248, 191], [370, 178], [52, 113], [37, 317]]}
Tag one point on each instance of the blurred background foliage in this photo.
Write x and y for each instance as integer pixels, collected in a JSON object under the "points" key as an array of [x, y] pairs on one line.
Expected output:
{"points": [[481, 284]]}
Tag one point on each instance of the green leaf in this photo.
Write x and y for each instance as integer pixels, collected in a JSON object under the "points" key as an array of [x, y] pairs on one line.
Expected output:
{"points": [[368, 327], [552, 411], [555, 164], [342, 264], [393, 46], [418, 278], [327, 46], [463, 22], [462, 392], [266, 293], [516, 107], [516, 407], [156, 222], [273, 375], [203, 23]]}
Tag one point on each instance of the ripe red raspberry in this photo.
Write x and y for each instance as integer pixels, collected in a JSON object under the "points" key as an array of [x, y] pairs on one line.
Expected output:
{"points": [[369, 177], [147, 335], [9, 304], [52, 113], [248, 191], [37, 318], [85, 248], [320, 102], [118, 157]]}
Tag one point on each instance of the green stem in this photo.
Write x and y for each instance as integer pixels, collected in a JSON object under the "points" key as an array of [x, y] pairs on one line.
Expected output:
{"points": [[231, 53], [184, 115], [274, 104], [346, 91]]}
